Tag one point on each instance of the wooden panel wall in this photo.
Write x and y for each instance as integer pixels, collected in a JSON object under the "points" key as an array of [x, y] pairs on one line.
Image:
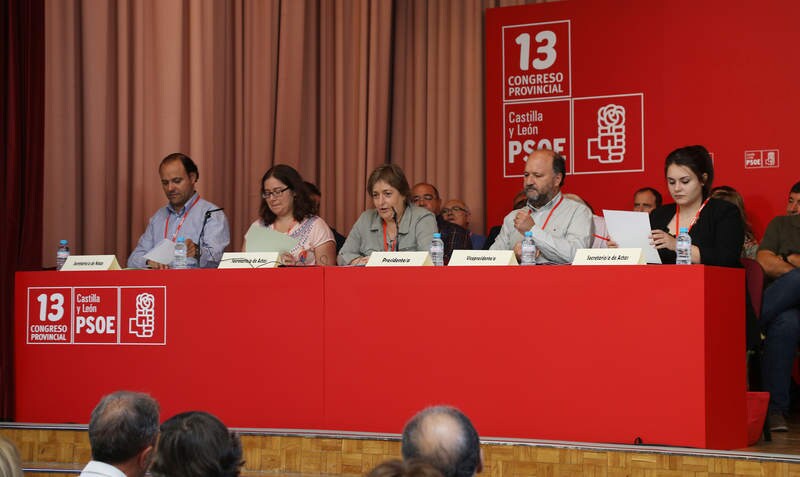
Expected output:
{"points": [[311, 456]]}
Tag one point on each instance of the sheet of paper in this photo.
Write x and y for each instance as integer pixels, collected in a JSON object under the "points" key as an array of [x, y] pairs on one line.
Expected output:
{"points": [[262, 239], [631, 230], [164, 252]]}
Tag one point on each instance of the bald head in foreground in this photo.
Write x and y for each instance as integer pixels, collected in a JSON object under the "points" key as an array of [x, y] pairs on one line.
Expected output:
{"points": [[445, 438], [122, 433]]}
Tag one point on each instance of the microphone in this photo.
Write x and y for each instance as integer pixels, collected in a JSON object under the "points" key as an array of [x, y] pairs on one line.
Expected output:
{"points": [[396, 229], [203, 230]]}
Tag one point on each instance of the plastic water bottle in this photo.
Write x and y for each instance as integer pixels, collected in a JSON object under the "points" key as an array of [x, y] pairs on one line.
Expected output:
{"points": [[683, 248], [437, 250], [179, 262], [528, 250], [62, 253]]}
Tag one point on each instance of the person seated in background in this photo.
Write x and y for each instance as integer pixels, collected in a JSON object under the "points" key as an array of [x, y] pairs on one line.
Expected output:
{"points": [[197, 444], [316, 196], [202, 223], [779, 256], [393, 225], [399, 468], [793, 204], [520, 200], [730, 194], [445, 438], [122, 434], [600, 235], [560, 227], [454, 236], [11, 465], [288, 208], [456, 212], [715, 225], [646, 199]]}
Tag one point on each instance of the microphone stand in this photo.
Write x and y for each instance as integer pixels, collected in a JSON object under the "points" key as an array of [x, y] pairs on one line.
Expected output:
{"points": [[203, 231], [396, 231]]}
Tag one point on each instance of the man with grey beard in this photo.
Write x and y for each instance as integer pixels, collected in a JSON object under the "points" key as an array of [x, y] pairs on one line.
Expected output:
{"points": [[559, 227]]}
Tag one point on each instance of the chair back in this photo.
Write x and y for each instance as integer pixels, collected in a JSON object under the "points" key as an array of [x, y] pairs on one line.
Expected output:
{"points": [[754, 277]]}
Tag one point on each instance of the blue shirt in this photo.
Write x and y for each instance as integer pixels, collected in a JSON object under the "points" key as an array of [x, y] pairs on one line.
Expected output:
{"points": [[216, 234]]}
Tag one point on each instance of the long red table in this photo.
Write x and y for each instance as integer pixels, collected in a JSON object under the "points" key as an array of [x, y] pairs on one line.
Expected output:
{"points": [[598, 354]]}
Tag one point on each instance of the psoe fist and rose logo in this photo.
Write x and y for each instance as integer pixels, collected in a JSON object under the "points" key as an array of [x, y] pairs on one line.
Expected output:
{"points": [[97, 315]]}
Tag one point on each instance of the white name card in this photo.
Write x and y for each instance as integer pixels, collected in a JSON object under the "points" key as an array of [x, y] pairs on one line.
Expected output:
{"points": [[609, 256], [90, 262], [472, 258], [399, 259], [249, 260]]}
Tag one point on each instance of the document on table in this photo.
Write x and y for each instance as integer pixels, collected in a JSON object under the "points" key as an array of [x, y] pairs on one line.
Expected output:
{"points": [[262, 239], [163, 253], [631, 230]]}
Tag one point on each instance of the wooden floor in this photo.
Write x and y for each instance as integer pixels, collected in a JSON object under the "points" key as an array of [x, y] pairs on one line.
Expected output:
{"points": [[782, 442], [51, 450]]}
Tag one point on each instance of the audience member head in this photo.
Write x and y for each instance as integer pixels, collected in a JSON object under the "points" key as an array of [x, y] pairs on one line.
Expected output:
{"points": [[426, 195], [178, 174], [123, 430], [646, 199], [388, 187], [197, 444], [543, 177], [578, 199], [314, 193], [284, 194], [690, 173], [445, 438], [399, 468], [731, 195], [11, 464], [457, 212], [793, 206]]}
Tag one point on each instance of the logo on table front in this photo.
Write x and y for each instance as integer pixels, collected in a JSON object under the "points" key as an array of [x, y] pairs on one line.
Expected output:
{"points": [[97, 315], [143, 324]]}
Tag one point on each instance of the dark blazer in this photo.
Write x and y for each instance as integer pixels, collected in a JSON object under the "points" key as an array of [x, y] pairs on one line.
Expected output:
{"points": [[718, 233]]}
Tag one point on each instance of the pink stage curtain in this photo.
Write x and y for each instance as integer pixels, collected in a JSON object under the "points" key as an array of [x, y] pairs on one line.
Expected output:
{"points": [[333, 88]]}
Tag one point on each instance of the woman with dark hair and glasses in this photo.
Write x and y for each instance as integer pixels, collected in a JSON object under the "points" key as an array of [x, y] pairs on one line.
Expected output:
{"points": [[715, 225], [393, 225], [287, 208]]}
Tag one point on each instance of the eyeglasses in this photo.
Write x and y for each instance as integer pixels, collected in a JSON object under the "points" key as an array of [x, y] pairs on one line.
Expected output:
{"points": [[417, 198], [276, 192], [454, 210]]}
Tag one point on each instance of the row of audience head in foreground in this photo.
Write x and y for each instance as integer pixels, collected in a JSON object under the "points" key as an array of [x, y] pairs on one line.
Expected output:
{"points": [[127, 441], [405, 219]]}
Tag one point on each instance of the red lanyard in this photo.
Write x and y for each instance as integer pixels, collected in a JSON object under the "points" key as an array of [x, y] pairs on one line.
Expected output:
{"points": [[386, 242], [691, 224], [166, 225], [551, 212]]}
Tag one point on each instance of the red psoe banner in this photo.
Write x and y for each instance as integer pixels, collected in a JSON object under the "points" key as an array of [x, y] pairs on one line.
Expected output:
{"points": [[615, 86], [608, 134], [536, 61], [534, 125]]}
